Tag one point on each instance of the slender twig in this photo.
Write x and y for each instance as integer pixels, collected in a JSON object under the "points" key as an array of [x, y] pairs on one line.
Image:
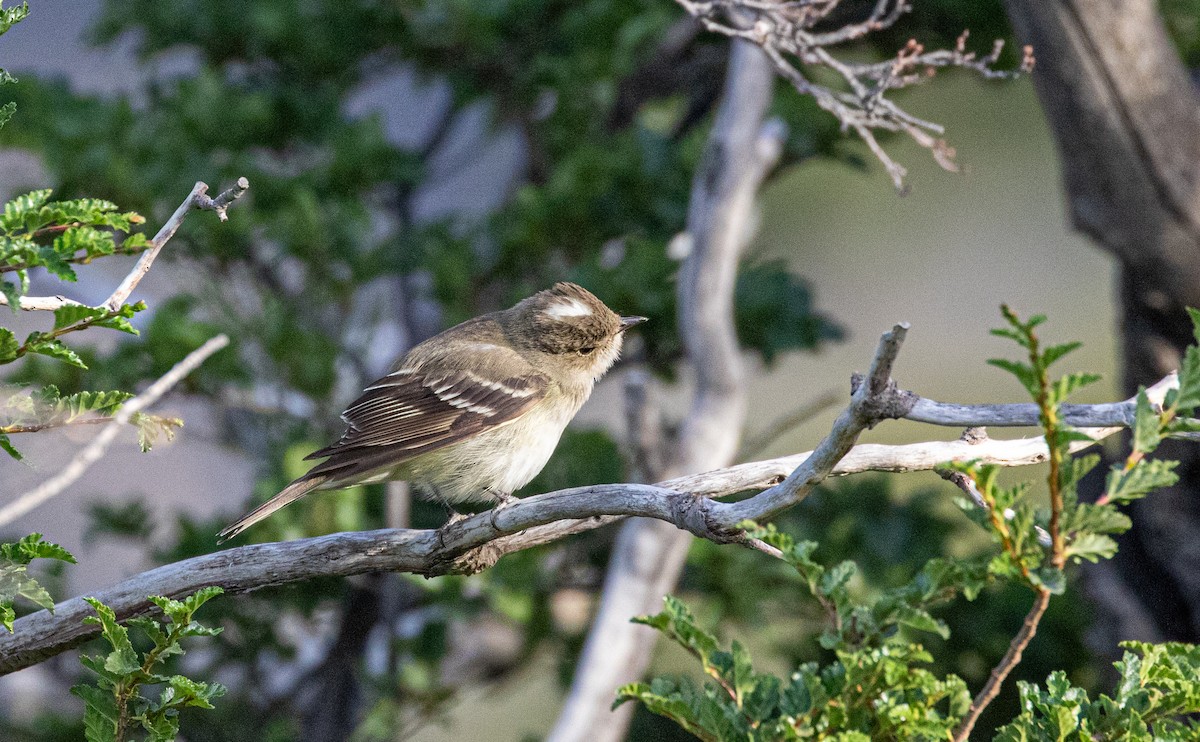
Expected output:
{"points": [[198, 199], [39, 427], [1010, 660], [95, 450], [1051, 427], [41, 303], [787, 32]]}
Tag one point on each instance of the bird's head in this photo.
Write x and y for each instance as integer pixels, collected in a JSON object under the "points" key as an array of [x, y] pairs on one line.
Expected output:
{"points": [[571, 326]]}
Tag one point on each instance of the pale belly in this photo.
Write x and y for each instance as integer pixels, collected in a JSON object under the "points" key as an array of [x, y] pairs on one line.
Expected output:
{"points": [[481, 468]]}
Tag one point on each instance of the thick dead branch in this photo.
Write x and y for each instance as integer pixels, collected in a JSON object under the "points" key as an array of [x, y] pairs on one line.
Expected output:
{"points": [[475, 543]]}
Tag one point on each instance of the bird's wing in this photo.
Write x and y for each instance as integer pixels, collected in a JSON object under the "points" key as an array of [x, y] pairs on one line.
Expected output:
{"points": [[411, 411]]}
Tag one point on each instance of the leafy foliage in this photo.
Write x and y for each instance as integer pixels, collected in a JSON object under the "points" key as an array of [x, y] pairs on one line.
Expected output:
{"points": [[14, 576], [876, 688], [115, 707], [1156, 692], [877, 685], [36, 232]]}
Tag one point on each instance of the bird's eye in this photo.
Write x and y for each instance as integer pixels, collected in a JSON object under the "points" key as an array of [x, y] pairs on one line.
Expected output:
{"points": [[587, 351]]}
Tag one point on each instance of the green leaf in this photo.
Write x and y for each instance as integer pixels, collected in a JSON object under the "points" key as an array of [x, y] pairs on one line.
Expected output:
{"points": [[33, 547], [73, 313], [1145, 477], [834, 580], [12, 294], [48, 346], [55, 264], [1092, 547], [1050, 578], [1187, 398], [150, 427], [1014, 335], [1055, 352], [12, 16], [1071, 383], [8, 346], [1025, 374], [7, 446], [100, 714], [1195, 315], [920, 619], [123, 659]]}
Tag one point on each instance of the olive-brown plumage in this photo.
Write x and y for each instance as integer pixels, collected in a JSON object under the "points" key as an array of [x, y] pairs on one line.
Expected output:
{"points": [[475, 412]]}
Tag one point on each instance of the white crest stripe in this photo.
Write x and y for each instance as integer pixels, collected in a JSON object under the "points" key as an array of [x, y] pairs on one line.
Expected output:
{"points": [[567, 308]]}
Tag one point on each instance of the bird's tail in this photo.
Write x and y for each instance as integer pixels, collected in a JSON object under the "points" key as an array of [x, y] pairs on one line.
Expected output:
{"points": [[287, 495]]}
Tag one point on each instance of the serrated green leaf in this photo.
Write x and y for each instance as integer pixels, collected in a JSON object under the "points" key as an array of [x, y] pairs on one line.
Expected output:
{"points": [[72, 313], [920, 619], [33, 547], [55, 264], [118, 323], [1195, 315], [1076, 469], [100, 715], [1071, 383], [193, 602], [835, 579], [12, 294], [17, 209], [6, 112], [1024, 373], [1092, 547], [52, 347], [150, 427], [8, 346], [1187, 398], [1145, 477], [8, 448], [743, 675], [123, 659], [1055, 352], [1183, 425]]}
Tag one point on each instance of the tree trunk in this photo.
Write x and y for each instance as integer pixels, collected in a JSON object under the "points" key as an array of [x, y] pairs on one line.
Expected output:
{"points": [[1126, 120]]}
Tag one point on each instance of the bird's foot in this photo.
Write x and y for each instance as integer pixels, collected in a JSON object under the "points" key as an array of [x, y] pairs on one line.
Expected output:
{"points": [[504, 500], [452, 517]]}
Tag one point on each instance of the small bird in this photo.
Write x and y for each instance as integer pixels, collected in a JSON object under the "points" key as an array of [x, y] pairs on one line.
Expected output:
{"points": [[474, 413]]}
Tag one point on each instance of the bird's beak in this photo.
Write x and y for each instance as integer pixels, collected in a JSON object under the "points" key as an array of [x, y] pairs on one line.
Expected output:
{"points": [[627, 322]]}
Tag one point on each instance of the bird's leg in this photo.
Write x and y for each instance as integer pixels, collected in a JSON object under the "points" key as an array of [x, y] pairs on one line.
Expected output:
{"points": [[452, 515], [503, 500]]}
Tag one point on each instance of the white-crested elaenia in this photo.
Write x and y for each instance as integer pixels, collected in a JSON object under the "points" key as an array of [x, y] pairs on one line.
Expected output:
{"points": [[474, 413]]}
